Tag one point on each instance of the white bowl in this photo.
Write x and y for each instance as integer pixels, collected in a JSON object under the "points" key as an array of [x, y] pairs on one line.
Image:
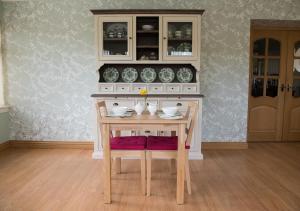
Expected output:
{"points": [[170, 111], [119, 110], [147, 27]]}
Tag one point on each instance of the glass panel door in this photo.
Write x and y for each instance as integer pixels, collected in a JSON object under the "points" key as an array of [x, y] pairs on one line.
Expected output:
{"points": [[265, 67], [115, 40], [180, 37], [296, 71]]}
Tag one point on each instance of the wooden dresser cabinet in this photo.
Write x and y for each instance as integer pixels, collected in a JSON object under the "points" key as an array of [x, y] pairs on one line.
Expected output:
{"points": [[154, 49]]}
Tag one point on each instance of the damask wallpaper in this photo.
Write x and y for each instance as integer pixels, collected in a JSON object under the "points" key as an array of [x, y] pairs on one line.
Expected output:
{"points": [[50, 64]]}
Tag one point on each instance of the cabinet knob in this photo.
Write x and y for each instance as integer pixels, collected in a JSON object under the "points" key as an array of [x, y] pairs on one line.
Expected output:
{"points": [[179, 104], [282, 87], [115, 104], [130, 38], [165, 38]]}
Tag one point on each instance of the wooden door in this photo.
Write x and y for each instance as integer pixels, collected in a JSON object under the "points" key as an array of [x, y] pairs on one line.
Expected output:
{"points": [[291, 131], [266, 88]]}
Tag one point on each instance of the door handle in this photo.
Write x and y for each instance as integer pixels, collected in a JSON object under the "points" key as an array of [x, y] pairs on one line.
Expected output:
{"points": [[282, 87]]}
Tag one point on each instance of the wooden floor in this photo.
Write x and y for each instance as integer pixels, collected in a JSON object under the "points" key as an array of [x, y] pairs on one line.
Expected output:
{"points": [[264, 177]]}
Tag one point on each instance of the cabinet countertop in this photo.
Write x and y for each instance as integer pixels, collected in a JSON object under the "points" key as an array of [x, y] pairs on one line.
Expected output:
{"points": [[149, 96]]}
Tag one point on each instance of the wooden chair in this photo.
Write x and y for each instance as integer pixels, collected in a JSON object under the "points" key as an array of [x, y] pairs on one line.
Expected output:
{"points": [[125, 146], [165, 147]]}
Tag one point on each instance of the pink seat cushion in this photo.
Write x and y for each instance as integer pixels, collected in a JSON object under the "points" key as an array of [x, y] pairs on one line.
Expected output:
{"points": [[128, 143], [163, 143]]}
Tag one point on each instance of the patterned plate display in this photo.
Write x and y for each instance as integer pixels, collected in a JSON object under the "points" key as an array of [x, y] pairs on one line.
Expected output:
{"points": [[148, 75], [184, 75], [110, 75], [129, 75], [166, 75]]}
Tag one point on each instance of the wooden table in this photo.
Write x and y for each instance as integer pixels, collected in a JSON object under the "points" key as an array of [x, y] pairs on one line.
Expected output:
{"points": [[144, 122]]}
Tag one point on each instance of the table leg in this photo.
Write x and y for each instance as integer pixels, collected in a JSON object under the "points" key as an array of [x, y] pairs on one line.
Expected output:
{"points": [[180, 164], [107, 164]]}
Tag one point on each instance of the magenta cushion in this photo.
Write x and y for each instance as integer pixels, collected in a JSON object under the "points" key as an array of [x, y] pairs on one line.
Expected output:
{"points": [[128, 143], [163, 143]]}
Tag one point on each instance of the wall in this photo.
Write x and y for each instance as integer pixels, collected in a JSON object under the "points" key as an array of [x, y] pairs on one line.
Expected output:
{"points": [[4, 127], [49, 55]]}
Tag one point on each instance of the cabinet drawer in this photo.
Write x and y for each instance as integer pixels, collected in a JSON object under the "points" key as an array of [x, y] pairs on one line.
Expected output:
{"points": [[173, 88], [189, 88], [126, 103], [156, 88], [181, 104], [106, 88], [123, 88], [137, 88]]}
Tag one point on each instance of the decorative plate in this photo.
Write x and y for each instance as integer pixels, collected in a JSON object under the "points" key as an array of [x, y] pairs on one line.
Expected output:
{"points": [[148, 75], [129, 75], [117, 27], [166, 75], [111, 75], [184, 75], [185, 47]]}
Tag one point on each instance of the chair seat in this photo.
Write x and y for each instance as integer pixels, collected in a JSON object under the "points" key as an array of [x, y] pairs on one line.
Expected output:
{"points": [[163, 143], [128, 143]]}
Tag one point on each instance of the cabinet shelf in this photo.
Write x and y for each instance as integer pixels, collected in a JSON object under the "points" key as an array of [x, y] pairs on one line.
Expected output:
{"points": [[147, 32], [147, 46], [180, 39], [115, 39]]}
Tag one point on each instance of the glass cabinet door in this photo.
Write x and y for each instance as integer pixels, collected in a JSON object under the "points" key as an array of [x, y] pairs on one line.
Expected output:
{"points": [[115, 38], [180, 38]]}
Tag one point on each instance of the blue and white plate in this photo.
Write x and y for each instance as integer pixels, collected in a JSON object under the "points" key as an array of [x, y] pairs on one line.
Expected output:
{"points": [[148, 75], [129, 75], [166, 75], [110, 75], [184, 75]]}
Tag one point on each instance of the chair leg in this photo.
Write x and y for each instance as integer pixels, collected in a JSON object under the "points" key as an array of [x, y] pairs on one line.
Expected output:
{"points": [[187, 174], [149, 159], [118, 165], [143, 172]]}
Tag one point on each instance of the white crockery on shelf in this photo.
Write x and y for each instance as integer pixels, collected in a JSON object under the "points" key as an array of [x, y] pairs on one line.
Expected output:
{"points": [[152, 108], [119, 110], [139, 108], [170, 111]]}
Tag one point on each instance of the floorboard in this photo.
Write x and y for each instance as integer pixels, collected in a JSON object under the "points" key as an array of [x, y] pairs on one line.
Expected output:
{"points": [[266, 176]]}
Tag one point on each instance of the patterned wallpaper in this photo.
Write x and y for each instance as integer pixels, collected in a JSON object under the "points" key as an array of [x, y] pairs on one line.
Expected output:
{"points": [[49, 57]]}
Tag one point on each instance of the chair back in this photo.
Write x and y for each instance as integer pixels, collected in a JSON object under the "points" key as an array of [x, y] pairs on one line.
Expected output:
{"points": [[191, 113], [101, 112]]}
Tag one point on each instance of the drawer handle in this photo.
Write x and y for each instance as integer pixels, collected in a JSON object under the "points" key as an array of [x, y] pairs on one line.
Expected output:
{"points": [[179, 104], [172, 88], [189, 88], [106, 88], [115, 104], [147, 131]]}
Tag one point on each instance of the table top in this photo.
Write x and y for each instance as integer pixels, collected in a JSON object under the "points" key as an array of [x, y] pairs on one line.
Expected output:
{"points": [[145, 118]]}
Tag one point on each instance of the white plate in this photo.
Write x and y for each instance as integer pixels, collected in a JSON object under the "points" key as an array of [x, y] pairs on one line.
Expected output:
{"points": [[111, 114], [164, 116]]}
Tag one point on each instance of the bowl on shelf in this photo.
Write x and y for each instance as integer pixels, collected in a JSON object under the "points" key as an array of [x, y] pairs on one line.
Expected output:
{"points": [[119, 110], [147, 27], [170, 111]]}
